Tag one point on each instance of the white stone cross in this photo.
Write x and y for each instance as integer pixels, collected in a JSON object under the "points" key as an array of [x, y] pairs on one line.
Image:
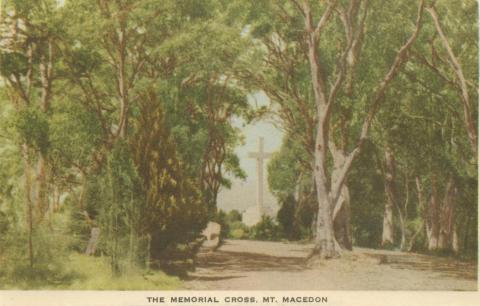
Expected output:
{"points": [[260, 156]]}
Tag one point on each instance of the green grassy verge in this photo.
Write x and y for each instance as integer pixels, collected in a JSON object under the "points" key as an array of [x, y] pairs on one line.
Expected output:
{"points": [[83, 272]]}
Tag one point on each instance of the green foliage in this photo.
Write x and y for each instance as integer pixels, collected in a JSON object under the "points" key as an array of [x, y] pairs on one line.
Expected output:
{"points": [[238, 230], [32, 128], [173, 211], [288, 174], [117, 201], [234, 216], [287, 221], [93, 273], [4, 223], [368, 199], [74, 134], [231, 224], [50, 250], [13, 63], [284, 169], [178, 73], [222, 218], [79, 228], [266, 229], [81, 272]]}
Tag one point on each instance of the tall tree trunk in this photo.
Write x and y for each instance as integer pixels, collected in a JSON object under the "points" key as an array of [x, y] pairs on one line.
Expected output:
{"points": [[325, 239], [448, 239], [325, 243], [403, 215], [46, 78], [455, 242], [329, 191], [40, 197], [421, 209], [389, 181], [342, 224], [403, 232], [28, 190], [387, 233], [441, 229], [467, 230], [433, 227], [123, 94]]}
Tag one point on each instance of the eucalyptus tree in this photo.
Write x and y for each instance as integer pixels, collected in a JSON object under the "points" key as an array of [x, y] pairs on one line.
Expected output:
{"points": [[424, 164], [449, 57], [107, 53], [339, 42], [207, 100], [28, 66], [448, 53], [441, 153], [156, 73], [279, 67], [329, 188]]}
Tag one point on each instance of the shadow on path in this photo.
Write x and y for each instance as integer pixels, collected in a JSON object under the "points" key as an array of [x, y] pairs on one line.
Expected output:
{"points": [[256, 265], [446, 266], [222, 262]]}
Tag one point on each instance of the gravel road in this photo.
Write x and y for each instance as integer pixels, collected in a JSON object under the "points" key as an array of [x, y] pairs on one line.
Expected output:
{"points": [[259, 265]]}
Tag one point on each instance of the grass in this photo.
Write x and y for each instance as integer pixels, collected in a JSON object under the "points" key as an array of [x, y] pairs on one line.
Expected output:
{"points": [[93, 273]]}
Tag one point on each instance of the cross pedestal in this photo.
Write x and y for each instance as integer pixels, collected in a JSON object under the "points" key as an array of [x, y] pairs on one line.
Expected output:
{"points": [[260, 156]]}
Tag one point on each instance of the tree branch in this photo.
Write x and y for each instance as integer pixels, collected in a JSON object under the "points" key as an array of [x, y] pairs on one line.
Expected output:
{"points": [[324, 19], [470, 126], [379, 96]]}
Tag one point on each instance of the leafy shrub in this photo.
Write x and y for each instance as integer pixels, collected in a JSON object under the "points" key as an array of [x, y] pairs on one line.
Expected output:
{"points": [[221, 218], [49, 257], [233, 216], [266, 229], [238, 230]]}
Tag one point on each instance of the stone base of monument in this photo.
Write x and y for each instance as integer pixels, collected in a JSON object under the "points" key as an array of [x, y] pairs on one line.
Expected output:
{"points": [[251, 216], [212, 236]]}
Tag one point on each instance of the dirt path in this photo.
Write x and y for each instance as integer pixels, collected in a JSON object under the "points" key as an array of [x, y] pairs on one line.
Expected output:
{"points": [[258, 265]]}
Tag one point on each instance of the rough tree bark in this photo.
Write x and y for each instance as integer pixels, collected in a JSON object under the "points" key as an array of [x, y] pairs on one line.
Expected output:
{"points": [[390, 192], [441, 229], [46, 65], [403, 215], [448, 239], [433, 228], [421, 208], [325, 240], [29, 208], [342, 225]]}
